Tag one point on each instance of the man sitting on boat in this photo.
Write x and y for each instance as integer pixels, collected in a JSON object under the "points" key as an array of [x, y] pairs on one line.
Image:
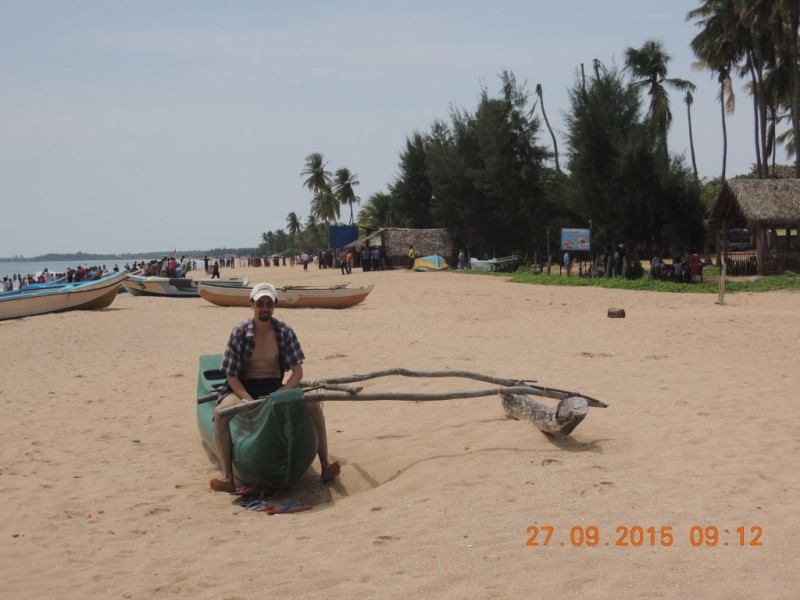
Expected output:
{"points": [[259, 352]]}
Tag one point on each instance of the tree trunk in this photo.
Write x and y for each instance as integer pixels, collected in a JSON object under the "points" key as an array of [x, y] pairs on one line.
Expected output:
{"points": [[547, 122], [691, 137], [724, 126], [755, 124], [794, 20]]}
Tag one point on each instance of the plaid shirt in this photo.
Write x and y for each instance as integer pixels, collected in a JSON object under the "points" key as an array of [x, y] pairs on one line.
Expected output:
{"points": [[240, 349]]}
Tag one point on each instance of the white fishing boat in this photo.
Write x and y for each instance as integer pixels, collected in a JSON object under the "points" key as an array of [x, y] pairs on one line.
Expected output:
{"points": [[301, 296], [81, 295], [175, 287], [507, 263]]}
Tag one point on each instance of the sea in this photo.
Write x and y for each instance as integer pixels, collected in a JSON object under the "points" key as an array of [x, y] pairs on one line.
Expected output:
{"points": [[25, 267]]}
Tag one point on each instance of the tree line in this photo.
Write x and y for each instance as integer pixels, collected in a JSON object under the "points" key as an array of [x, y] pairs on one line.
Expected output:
{"points": [[487, 177]]}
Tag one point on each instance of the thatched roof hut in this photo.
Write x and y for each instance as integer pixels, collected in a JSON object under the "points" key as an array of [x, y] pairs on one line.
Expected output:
{"points": [[760, 205], [394, 242], [752, 202]]}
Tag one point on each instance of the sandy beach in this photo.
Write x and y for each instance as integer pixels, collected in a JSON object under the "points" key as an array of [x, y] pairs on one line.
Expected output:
{"points": [[104, 479]]}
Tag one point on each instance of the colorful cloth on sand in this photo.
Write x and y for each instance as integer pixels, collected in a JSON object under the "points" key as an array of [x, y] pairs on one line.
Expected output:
{"points": [[257, 499]]}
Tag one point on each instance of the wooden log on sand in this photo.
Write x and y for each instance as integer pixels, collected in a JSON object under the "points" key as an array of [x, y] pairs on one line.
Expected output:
{"points": [[559, 420]]}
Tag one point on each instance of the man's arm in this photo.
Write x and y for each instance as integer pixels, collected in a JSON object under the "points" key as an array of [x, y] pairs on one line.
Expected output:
{"points": [[294, 379], [236, 386]]}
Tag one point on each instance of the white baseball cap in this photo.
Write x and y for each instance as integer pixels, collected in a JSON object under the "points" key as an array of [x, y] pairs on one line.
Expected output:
{"points": [[263, 289]]}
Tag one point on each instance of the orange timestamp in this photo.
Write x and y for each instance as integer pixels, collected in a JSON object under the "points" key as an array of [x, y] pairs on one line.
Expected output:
{"points": [[636, 536]]}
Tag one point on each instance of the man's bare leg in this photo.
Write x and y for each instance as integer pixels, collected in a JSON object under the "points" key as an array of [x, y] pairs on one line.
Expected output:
{"points": [[222, 435], [330, 470]]}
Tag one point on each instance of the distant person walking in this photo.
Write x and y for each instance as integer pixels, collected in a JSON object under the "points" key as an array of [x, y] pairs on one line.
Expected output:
{"points": [[411, 257]]}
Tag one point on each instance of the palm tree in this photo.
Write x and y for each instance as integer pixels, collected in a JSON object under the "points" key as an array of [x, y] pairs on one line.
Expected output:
{"points": [[293, 224], [380, 210], [315, 232], [317, 178], [344, 183], [790, 12], [267, 242], [648, 65], [689, 100], [547, 122], [325, 206], [717, 49]]}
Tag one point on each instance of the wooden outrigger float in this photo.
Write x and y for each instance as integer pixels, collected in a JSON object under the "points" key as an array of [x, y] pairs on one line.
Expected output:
{"points": [[558, 420]]}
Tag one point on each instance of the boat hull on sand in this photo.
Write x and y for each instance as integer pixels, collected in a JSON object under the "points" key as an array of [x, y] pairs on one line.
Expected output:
{"points": [[507, 263], [274, 443], [82, 295], [173, 287], [290, 296]]}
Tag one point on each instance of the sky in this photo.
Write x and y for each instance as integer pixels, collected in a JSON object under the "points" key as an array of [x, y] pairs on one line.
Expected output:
{"points": [[137, 126]]}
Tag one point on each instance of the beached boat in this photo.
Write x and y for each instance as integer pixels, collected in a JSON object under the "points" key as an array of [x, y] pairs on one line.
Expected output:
{"points": [[82, 295], [430, 263], [174, 287], [274, 443], [300, 296], [507, 263]]}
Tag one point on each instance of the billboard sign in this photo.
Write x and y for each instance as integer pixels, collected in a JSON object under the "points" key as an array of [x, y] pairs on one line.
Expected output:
{"points": [[578, 240]]}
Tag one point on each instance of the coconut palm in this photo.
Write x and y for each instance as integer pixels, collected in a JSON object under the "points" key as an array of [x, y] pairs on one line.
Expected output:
{"points": [[717, 47], [343, 185], [325, 206], [789, 12], [293, 224], [648, 66], [317, 178], [316, 232], [380, 210]]}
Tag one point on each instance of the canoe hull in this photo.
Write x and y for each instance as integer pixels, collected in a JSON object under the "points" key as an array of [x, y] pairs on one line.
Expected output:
{"points": [[85, 295], [273, 444], [289, 297], [172, 287]]}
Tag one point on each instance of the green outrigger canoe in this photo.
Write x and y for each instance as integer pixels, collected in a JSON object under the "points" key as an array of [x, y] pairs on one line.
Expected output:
{"points": [[273, 444]]}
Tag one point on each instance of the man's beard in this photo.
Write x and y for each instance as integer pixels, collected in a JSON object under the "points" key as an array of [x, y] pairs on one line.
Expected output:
{"points": [[264, 316]]}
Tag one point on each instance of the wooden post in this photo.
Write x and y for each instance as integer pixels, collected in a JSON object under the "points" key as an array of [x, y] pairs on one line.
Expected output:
{"points": [[724, 258], [549, 255]]}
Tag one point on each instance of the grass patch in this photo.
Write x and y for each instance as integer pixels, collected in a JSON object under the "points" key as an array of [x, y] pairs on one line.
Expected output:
{"points": [[787, 281]]}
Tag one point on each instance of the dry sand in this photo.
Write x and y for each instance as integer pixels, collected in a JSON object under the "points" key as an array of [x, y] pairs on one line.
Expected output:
{"points": [[104, 480]]}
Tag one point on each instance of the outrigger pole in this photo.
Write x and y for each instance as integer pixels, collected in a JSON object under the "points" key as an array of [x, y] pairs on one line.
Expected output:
{"points": [[559, 420]]}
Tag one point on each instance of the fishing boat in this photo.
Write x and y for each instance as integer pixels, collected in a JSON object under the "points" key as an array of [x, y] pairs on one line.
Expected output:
{"points": [[290, 296], [274, 443], [174, 287], [430, 263], [507, 263], [80, 295]]}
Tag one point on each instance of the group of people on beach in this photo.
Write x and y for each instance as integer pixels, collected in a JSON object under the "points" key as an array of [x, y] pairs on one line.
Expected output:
{"points": [[16, 281], [686, 268], [79, 273]]}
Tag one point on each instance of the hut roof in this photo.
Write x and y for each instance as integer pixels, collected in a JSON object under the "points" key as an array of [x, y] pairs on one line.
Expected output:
{"points": [[396, 241], [750, 202]]}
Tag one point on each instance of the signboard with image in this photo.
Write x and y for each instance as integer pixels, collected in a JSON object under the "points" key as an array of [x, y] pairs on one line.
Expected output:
{"points": [[577, 240]]}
